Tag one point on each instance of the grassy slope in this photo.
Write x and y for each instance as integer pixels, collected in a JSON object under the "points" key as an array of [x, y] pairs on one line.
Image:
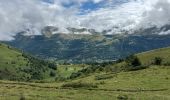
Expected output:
{"points": [[10, 59], [147, 57], [14, 65], [148, 84]]}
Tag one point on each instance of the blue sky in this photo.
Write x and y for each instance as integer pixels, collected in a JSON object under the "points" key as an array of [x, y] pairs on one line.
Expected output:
{"points": [[87, 5], [90, 5]]}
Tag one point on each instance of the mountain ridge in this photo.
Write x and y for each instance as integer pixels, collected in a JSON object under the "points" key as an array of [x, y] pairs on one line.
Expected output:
{"points": [[84, 48]]}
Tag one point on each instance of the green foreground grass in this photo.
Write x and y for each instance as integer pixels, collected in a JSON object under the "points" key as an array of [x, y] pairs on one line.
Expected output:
{"points": [[148, 84]]}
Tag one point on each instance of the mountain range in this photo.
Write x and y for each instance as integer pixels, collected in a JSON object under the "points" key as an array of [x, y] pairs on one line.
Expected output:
{"points": [[79, 48]]}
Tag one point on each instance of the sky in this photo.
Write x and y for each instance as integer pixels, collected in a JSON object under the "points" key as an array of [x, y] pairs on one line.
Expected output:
{"points": [[34, 15]]}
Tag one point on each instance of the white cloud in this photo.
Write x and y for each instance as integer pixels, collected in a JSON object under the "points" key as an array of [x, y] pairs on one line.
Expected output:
{"points": [[131, 15], [17, 15], [97, 1], [124, 16], [158, 13]]}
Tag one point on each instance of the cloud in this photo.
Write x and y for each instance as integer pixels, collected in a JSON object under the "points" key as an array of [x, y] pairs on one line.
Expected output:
{"points": [[97, 1], [18, 15], [158, 13], [129, 15], [123, 16]]}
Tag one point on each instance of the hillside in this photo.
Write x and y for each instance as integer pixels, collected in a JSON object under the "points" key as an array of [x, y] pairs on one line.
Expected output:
{"points": [[151, 83], [79, 48], [15, 65], [147, 57]]}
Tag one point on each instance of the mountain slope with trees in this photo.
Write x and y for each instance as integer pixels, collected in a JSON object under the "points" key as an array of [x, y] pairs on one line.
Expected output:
{"points": [[79, 48], [16, 65]]}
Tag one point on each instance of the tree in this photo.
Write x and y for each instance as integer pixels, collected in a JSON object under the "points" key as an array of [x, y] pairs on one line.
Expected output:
{"points": [[52, 73], [52, 65], [133, 61]]}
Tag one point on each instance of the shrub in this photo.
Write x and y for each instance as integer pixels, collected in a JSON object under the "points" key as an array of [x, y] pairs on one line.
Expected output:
{"points": [[52, 73], [133, 63], [167, 64], [157, 61], [52, 66], [66, 68], [102, 82], [75, 75]]}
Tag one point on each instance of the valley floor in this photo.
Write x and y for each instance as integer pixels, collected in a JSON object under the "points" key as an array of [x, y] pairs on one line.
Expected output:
{"points": [[148, 84]]}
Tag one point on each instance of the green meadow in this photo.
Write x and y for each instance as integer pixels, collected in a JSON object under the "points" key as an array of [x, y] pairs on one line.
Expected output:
{"points": [[148, 84]]}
